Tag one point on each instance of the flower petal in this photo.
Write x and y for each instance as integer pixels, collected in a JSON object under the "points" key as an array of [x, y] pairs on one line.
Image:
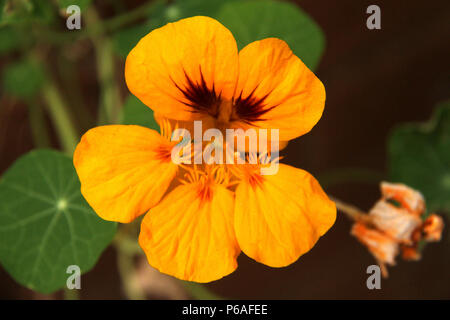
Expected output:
{"points": [[281, 92], [383, 247], [190, 238], [397, 223], [196, 55], [412, 200], [281, 218], [122, 175]]}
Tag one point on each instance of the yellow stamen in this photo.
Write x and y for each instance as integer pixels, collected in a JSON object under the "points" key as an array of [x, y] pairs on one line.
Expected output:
{"points": [[206, 178]]}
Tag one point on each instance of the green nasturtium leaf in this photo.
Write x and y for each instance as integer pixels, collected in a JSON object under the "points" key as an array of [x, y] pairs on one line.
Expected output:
{"points": [[45, 223], [137, 113], [23, 79], [419, 156], [259, 19]]}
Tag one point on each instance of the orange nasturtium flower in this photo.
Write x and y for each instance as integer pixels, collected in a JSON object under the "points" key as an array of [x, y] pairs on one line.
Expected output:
{"points": [[201, 217]]}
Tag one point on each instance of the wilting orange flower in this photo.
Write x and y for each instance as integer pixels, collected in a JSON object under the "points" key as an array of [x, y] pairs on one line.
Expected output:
{"points": [[201, 217], [396, 224]]}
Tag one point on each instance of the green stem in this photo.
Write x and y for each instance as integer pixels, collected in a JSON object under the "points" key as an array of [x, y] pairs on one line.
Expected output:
{"points": [[125, 264], [72, 89], [61, 118], [199, 292], [135, 14], [108, 25], [126, 252], [38, 126], [351, 211], [109, 90]]}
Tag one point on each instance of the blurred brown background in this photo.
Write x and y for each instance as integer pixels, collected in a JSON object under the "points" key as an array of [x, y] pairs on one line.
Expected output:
{"points": [[374, 79]]}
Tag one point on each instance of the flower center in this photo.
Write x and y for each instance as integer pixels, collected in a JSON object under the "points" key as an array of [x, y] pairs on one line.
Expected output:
{"points": [[206, 180], [203, 98], [205, 189], [224, 114]]}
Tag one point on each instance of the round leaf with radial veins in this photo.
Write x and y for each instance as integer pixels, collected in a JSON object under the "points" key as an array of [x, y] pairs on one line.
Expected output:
{"points": [[45, 223]]}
